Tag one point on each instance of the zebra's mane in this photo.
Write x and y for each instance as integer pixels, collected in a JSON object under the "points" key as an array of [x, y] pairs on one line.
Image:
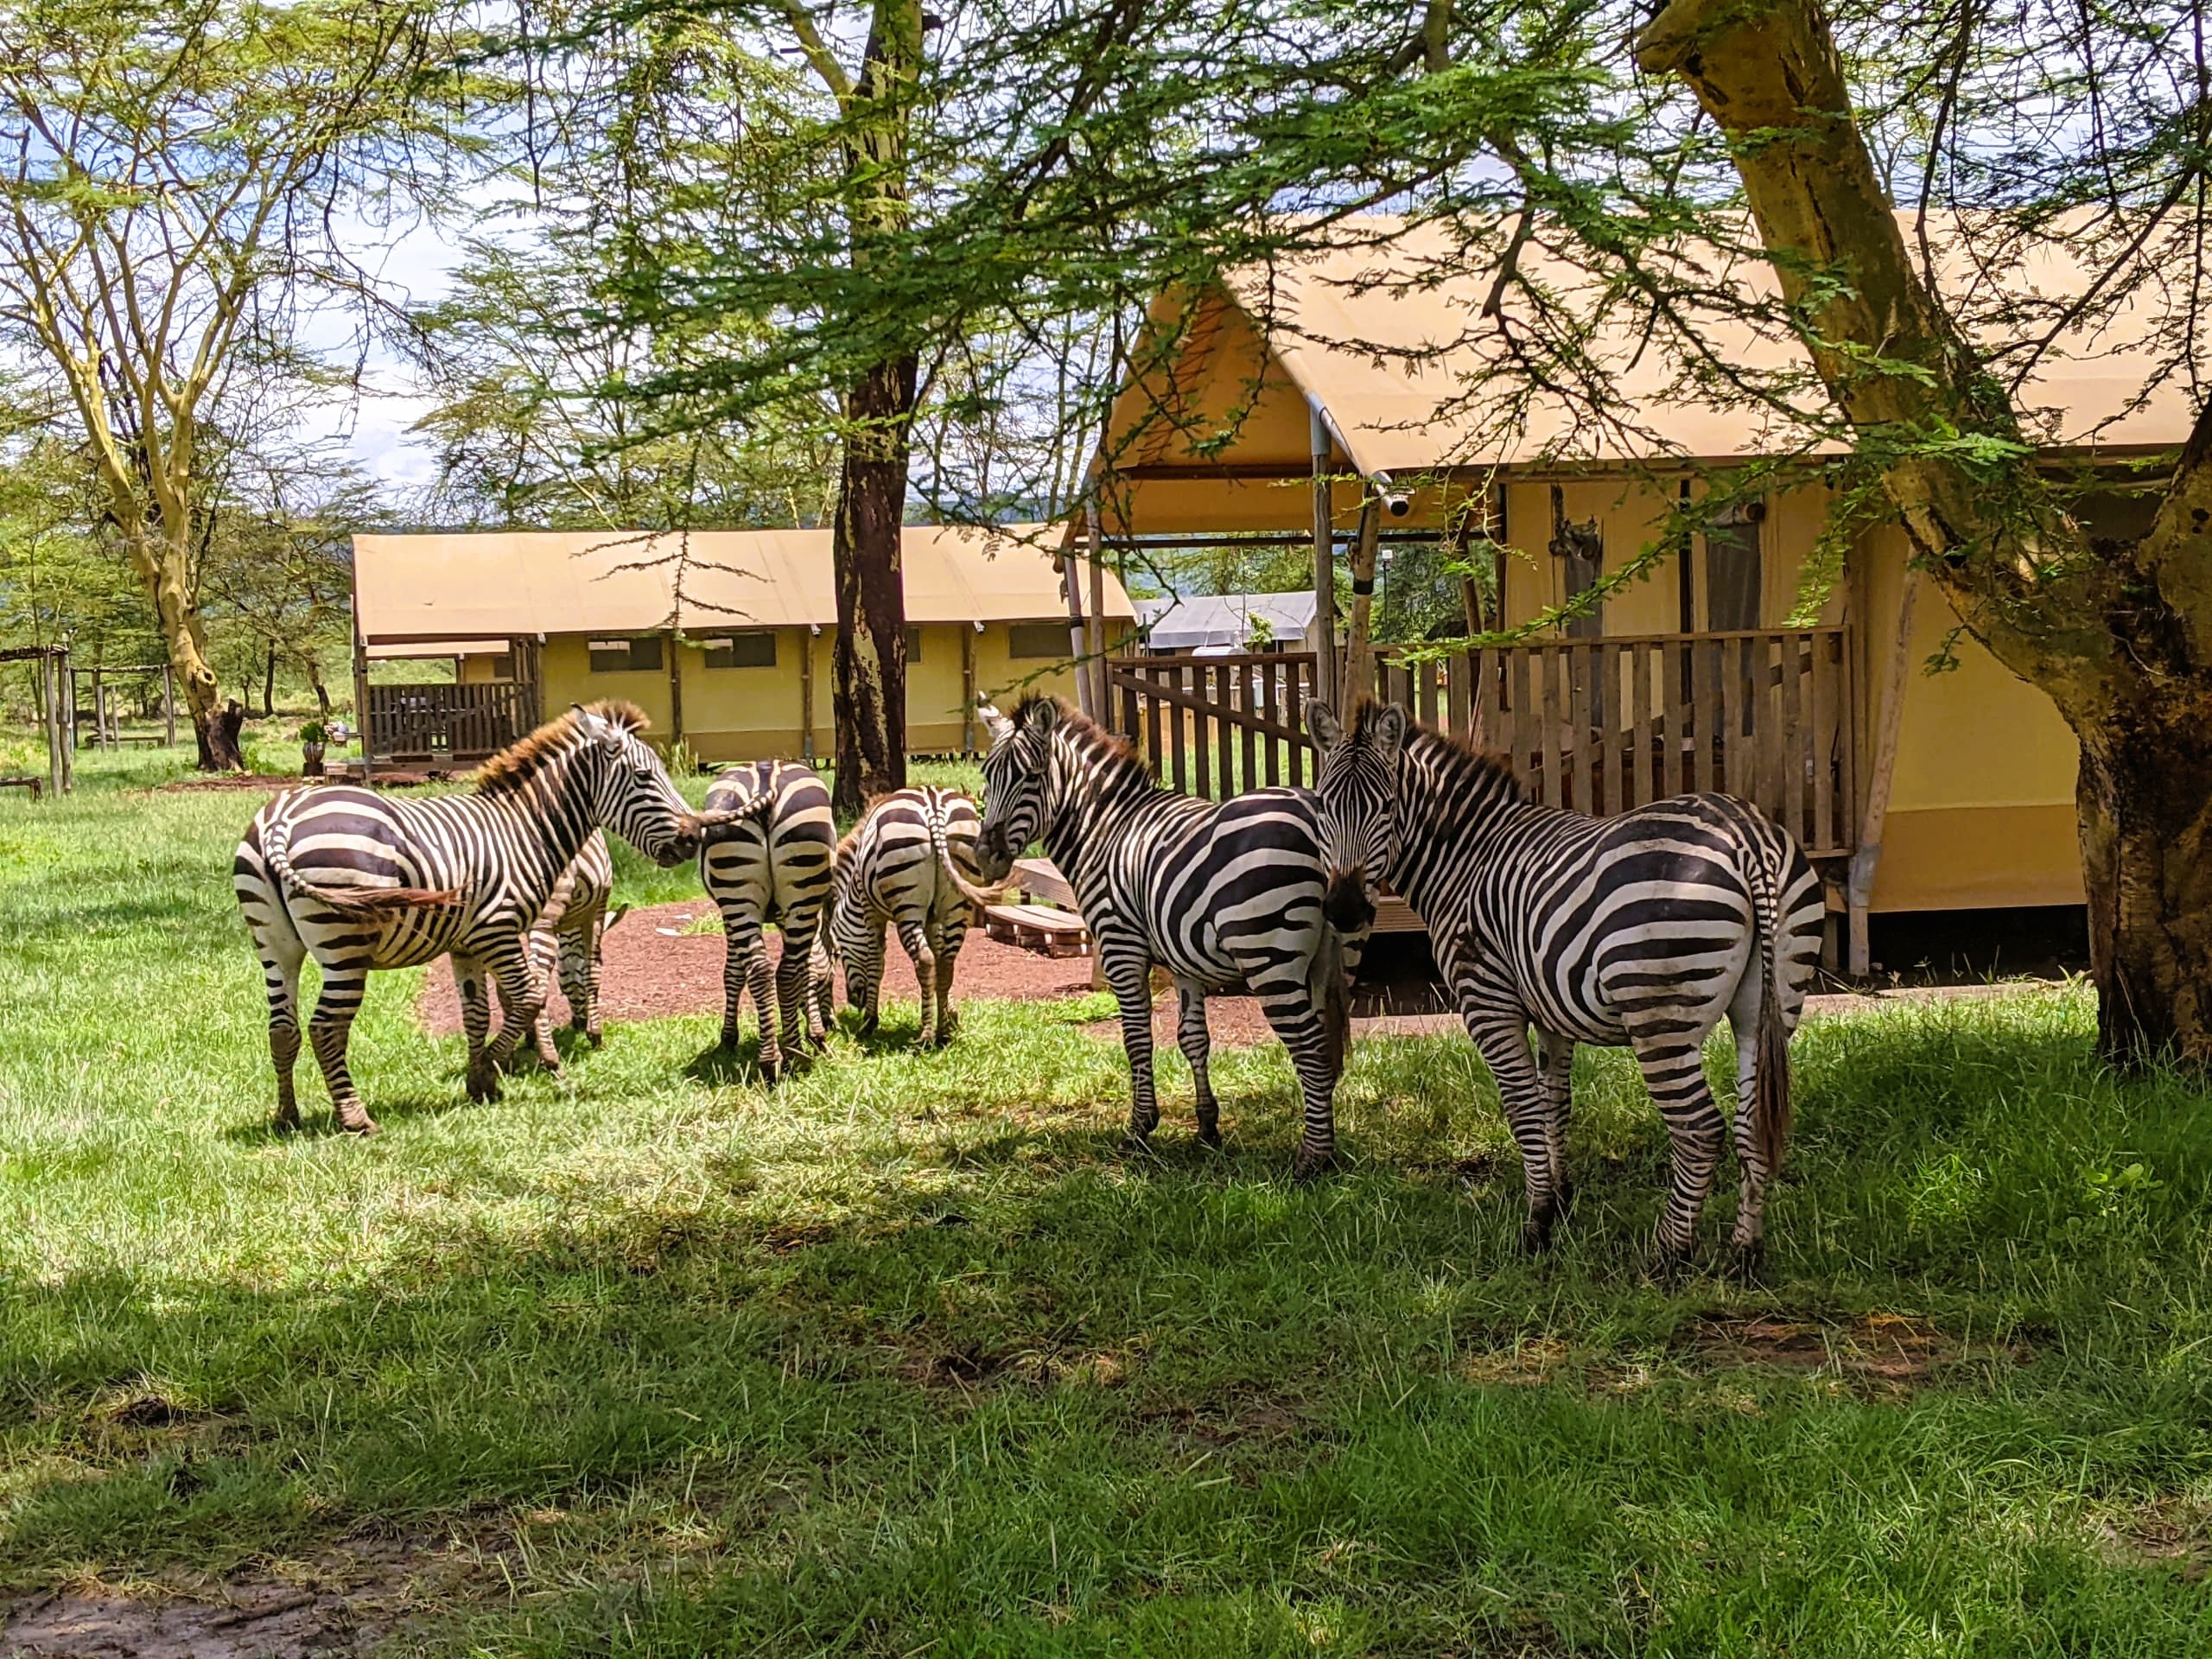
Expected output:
{"points": [[513, 768], [1116, 755], [1457, 762]]}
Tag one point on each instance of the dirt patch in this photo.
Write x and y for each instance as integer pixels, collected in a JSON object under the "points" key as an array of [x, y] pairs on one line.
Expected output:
{"points": [[2171, 1532], [346, 1602], [656, 966], [266, 782], [1889, 1352]]}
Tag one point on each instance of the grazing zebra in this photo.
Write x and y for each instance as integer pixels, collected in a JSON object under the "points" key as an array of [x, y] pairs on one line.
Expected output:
{"points": [[1643, 929], [1227, 898], [567, 938], [775, 866], [909, 863], [365, 882]]}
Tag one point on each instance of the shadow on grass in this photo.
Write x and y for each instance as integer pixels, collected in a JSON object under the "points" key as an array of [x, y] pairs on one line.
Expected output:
{"points": [[1032, 1387]]}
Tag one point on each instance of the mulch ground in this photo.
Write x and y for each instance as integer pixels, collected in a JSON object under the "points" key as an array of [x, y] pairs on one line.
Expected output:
{"points": [[656, 967]]}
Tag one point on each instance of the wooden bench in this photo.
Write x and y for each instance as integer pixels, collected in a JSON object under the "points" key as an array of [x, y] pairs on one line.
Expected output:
{"points": [[1037, 927], [36, 785]]}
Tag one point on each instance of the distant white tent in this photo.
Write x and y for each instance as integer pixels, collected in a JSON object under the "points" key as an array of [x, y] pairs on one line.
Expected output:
{"points": [[1219, 625]]}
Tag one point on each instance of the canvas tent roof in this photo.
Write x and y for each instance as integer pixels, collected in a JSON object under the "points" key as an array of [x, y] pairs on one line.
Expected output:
{"points": [[1385, 332], [449, 588], [1222, 622]]}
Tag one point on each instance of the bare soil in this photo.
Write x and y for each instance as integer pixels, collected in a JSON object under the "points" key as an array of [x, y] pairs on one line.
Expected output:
{"points": [[344, 1602]]}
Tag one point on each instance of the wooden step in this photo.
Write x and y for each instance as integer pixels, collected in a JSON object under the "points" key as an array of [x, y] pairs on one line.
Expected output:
{"points": [[1035, 927]]}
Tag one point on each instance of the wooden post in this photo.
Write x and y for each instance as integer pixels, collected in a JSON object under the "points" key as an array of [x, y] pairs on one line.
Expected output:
{"points": [[169, 705], [1359, 649], [1859, 892], [806, 693], [53, 676], [1324, 563], [1077, 632], [967, 688], [1100, 703], [361, 700], [674, 688]]}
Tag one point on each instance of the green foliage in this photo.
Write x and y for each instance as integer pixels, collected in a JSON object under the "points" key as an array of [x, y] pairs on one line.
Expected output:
{"points": [[911, 1352]]}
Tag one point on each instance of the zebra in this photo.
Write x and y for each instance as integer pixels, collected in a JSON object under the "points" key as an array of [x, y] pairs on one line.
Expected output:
{"points": [[1227, 897], [1641, 928], [906, 863], [775, 866], [367, 882], [567, 939]]}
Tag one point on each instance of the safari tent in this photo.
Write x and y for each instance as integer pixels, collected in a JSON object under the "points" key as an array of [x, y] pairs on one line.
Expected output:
{"points": [[722, 637], [1283, 404]]}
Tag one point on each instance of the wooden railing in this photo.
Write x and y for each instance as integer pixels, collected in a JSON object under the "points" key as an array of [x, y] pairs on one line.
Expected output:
{"points": [[465, 722], [1596, 725]]}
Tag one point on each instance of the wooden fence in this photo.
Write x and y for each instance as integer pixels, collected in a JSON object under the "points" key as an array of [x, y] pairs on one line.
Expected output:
{"points": [[464, 722], [1596, 725]]}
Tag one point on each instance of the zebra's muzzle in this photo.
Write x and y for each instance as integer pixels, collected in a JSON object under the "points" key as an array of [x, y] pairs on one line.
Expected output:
{"points": [[994, 858], [1344, 903]]}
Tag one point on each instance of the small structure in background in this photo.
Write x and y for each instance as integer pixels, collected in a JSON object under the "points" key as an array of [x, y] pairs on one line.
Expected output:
{"points": [[57, 717], [722, 637], [108, 683], [1222, 624]]}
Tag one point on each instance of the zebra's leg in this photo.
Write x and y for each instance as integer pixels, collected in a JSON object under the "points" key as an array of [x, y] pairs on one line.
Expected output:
{"points": [[1502, 1035], [950, 936], [864, 975], [1127, 968], [1556, 1053], [1747, 1243], [522, 999], [1674, 1070], [281, 951], [343, 984], [1289, 1008], [738, 921], [915, 941], [1197, 1044], [582, 961], [821, 990], [473, 982], [760, 980], [546, 952], [794, 973]]}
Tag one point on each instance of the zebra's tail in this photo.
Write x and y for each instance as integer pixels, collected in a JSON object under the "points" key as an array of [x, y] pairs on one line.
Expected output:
{"points": [[1328, 983], [606, 927], [1771, 1108], [941, 847], [276, 851], [723, 823]]}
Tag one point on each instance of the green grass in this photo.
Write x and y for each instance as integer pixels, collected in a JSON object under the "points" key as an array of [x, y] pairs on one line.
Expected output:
{"points": [[910, 1357]]}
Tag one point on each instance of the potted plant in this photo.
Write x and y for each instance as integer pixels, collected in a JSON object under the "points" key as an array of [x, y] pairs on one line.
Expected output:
{"points": [[313, 737]]}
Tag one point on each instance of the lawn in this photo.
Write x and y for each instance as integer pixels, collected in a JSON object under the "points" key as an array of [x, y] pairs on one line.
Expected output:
{"points": [[909, 1358]]}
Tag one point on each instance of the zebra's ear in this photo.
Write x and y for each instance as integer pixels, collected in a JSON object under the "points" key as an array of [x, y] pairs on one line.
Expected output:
{"points": [[1041, 715], [1388, 724], [1321, 721]]}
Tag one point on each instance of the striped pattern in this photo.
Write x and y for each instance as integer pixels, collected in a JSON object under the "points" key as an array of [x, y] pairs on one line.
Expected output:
{"points": [[909, 864], [1226, 898], [1643, 929], [364, 881], [775, 866], [567, 940]]}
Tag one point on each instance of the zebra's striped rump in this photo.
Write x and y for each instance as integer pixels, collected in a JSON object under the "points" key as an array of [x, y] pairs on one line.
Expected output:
{"points": [[1225, 897], [365, 882], [1645, 929], [769, 861], [909, 864]]}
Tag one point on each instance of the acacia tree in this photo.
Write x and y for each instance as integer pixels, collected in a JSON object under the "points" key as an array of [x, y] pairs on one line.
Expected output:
{"points": [[177, 185], [2053, 126]]}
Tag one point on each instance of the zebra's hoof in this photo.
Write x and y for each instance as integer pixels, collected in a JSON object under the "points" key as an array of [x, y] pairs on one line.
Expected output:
{"points": [[1311, 1165], [357, 1123], [484, 1086], [1667, 1263], [1209, 1137], [1137, 1143], [1536, 1237], [728, 1040], [1745, 1258]]}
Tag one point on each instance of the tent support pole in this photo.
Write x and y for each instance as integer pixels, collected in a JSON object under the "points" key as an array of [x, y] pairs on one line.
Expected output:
{"points": [[1325, 566], [1859, 892], [806, 694]]}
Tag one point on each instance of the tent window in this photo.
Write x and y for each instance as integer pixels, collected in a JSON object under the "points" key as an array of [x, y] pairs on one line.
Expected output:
{"points": [[1033, 640], [1731, 569], [913, 644], [639, 656], [503, 666], [755, 648]]}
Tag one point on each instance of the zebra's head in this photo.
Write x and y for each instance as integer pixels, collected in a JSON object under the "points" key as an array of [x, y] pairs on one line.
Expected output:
{"points": [[1014, 783], [1357, 783], [633, 795]]}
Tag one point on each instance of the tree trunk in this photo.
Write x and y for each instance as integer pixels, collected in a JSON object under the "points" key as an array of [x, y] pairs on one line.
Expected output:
{"points": [[868, 694], [269, 685], [2145, 806], [164, 563], [2118, 635]]}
